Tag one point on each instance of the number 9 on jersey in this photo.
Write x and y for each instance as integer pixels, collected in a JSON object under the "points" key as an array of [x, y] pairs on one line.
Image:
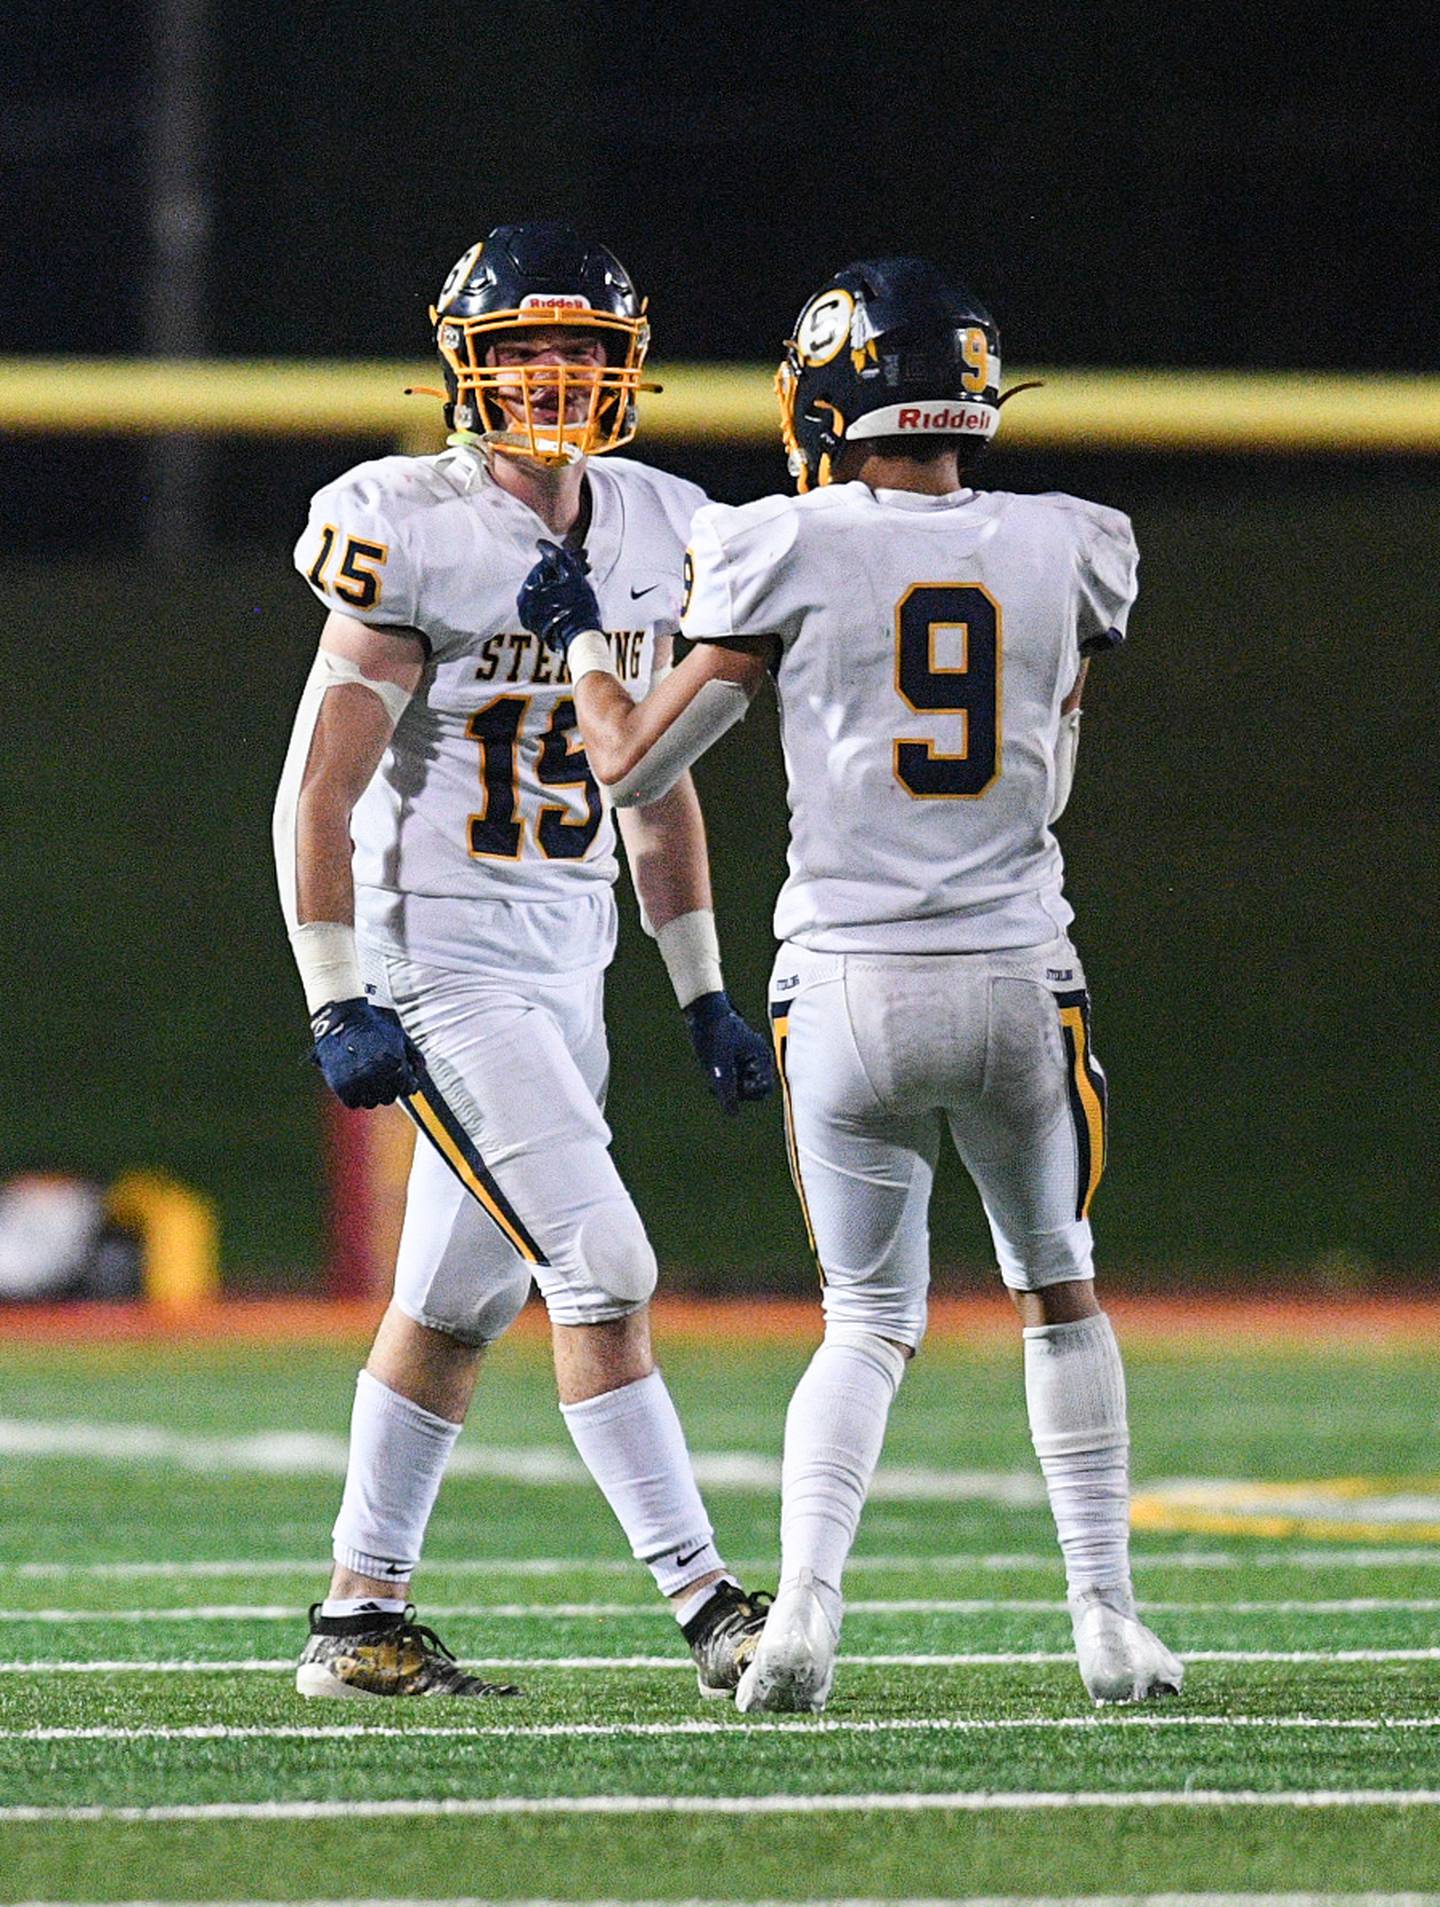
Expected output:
{"points": [[970, 690]]}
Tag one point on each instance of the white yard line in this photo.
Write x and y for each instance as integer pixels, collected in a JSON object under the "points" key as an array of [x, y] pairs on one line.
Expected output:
{"points": [[748, 1805], [320, 1453], [314, 1453], [220, 1567], [861, 1606], [1045, 1562], [801, 1725], [974, 1900], [976, 1660]]}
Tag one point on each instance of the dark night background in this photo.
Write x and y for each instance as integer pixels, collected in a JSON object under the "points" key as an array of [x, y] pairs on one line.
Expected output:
{"points": [[1124, 186]]}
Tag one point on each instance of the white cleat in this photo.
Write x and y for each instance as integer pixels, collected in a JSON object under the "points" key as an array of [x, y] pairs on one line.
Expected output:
{"points": [[794, 1663], [1120, 1659]]}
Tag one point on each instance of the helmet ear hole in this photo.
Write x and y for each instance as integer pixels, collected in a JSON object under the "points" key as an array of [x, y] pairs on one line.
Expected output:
{"points": [[832, 435]]}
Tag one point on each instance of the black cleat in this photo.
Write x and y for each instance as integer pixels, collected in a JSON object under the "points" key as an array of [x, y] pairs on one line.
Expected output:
{"points": [[367, 1655], [723, 1636]]}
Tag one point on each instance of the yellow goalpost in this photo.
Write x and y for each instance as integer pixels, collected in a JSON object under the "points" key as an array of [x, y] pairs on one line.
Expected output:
{"points": [[1287, 412]]}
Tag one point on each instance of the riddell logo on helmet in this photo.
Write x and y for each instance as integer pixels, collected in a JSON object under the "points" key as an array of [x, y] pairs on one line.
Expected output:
{"points": [[913, 418], [561, 301]]}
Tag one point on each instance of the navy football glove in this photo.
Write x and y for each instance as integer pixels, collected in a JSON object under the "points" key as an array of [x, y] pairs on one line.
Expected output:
{"points": [[364, 1053], [736, 1058], [556, 601]]}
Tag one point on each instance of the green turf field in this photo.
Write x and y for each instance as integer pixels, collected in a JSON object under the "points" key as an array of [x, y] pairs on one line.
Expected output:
{"points": [[165, 1509]]}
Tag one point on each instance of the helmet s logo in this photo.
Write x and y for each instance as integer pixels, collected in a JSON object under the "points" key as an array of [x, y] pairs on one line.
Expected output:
{"points": [[824, 327], [459, 274]]}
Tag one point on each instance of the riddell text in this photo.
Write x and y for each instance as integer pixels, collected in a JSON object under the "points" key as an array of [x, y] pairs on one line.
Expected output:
{"points": [[916, 419]]}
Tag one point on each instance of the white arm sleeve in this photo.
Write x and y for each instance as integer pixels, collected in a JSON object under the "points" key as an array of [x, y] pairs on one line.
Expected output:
{"points": [[324, 958], [716, 707], [1067, 747]]}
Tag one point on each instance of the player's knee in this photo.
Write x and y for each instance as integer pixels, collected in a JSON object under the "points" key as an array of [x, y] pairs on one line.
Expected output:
{"points": [[898, 1318], [475, 1315], [884, 1352], [500, 1307], [615, 1255], [1042, 1261], [1067, 1301]]}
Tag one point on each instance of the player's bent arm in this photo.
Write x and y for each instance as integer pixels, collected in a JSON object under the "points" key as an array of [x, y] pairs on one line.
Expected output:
{"points": [[1067, 746], [357, 690], [639, 750]]}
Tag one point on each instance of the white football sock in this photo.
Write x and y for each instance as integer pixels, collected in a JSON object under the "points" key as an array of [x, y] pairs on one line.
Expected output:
{"points": [[833, 1432], [364, 1606], [689, 1607], [1075, 1391], [398, 1454], [631, 1442]]}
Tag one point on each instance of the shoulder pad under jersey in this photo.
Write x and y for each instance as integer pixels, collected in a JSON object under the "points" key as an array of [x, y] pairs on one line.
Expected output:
{"points": [[359, 549]]}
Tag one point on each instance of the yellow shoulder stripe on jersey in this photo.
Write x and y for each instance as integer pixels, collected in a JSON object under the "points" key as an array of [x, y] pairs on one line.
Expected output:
{"points": [[780, 1033], [458, 1150], [1086, 1084]]}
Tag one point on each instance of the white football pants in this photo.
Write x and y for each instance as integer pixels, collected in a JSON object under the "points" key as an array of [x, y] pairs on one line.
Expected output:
{"points": [[877, 1053], [512, 1178]]}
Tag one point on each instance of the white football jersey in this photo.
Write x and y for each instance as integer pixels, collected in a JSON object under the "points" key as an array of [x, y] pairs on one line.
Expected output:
{"points": [[926, 646], [482, 841]]}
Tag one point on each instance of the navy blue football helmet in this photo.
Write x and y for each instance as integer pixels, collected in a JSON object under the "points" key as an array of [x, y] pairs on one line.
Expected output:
{"points": [[541, 274], [888, 348]]}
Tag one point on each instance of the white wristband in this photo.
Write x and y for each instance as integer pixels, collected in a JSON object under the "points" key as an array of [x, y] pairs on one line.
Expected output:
{"points": [[329, 964], [589, 654], [690, 948]]}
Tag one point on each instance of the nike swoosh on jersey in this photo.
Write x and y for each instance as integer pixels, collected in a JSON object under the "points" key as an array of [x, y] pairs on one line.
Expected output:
{"points": [[636, 594]]}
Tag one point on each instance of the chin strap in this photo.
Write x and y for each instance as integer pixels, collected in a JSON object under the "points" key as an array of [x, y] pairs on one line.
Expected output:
{"points": [[512, 444]]}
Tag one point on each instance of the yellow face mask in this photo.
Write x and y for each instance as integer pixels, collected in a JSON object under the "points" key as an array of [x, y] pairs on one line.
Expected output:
{"points": [[552, 409]]}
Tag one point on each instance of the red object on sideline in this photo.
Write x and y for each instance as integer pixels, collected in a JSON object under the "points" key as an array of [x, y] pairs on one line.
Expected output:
{"points": [[350, 1270], [367, 1160]]}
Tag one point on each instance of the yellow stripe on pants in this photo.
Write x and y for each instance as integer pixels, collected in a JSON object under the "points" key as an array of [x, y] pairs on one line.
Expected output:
{"points": [[780, 1032], [1073, 1018]]}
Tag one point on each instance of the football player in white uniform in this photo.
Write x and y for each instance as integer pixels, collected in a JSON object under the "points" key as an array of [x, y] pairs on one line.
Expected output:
{"points": [[929, 645], [454, 956]]}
